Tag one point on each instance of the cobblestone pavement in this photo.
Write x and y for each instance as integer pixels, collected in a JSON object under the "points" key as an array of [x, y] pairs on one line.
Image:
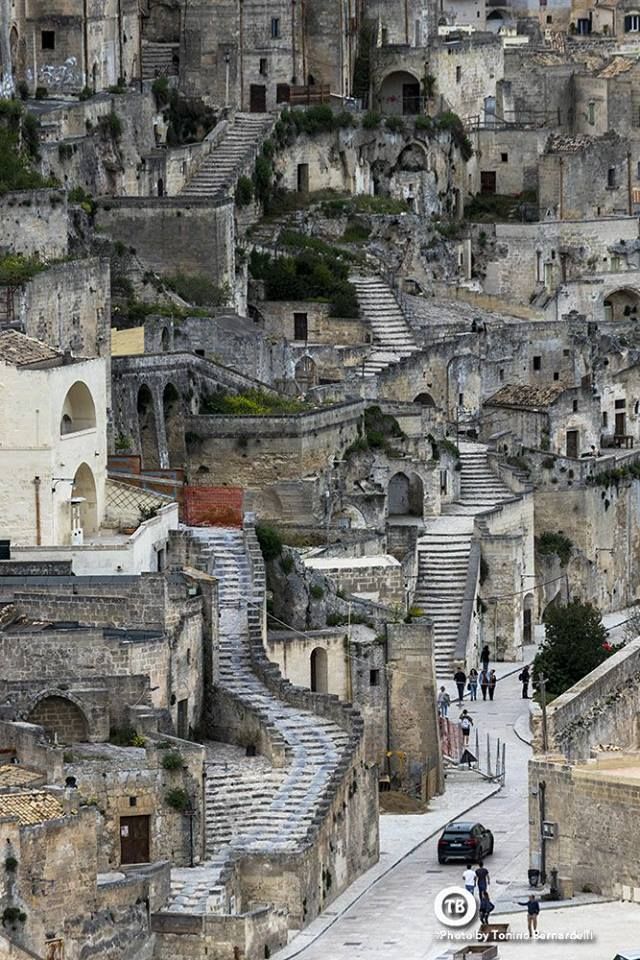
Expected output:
{"points": [[392, 916]]}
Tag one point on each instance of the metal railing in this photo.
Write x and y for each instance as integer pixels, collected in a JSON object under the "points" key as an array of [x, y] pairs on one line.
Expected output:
{"points": [[486, 755]]}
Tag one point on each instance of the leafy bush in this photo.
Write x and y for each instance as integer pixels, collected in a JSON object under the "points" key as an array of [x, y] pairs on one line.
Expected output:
{"points": [[451, 121], [356, 232], [19, 143], [286, 564], [198, 289], [110, 126], [252, 403], [160, 91], [394, 124], [177, 799], [85, 94], [188, 121], [423, 122], [316, 273], [449, 447], [12, 915], [244, 192], [125, 737], [270, 542], [15, 269], [371, 120], [548, 544], [575, 643], [172, 761], [316, 592]]}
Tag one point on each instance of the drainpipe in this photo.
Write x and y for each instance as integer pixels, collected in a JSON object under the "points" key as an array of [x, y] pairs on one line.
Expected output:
{"points": [[36, 490], [542, 786], [406, 22], [294, 77], [629, 184], [241, 54], [120, 48], [561, 188]]}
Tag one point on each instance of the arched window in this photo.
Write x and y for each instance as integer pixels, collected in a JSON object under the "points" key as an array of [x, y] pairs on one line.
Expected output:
{"points": [[61, 718], [78, 410]]}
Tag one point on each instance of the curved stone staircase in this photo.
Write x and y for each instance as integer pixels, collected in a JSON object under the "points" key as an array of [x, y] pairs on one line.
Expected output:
{"points": [[259, 810], [444, 551], [392, 337]]}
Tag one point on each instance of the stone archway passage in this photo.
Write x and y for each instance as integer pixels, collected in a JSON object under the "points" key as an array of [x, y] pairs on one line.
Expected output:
{"points": [[84, 490], [173, 426], [149, 449], [78, 410], [61, 718], [621, 305], [400, 93], [405, 495]]}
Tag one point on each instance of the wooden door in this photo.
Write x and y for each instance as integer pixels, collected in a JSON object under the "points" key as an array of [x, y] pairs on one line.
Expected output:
{"points": [[183, 722], [257, 98], [300, 326], [410, 98], [134, 839], [572, 444], [621, 424], [487, 181], [526, 627]]}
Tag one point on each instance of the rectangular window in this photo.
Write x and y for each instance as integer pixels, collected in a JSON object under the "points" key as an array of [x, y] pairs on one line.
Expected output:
{"points": [[575, 406], [374, 678], [537, 363], [549, 18], [275, 28], [556, 375], [501, 374], [263, 66], [458, 74], [504, 157], [611, 177], [443, 482], [605, 418], [620, 404], [48, 38], [300, 326], [461, 399], [592, 112]]}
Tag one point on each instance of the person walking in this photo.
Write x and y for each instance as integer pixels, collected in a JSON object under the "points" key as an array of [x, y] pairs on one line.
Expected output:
{"points": [[484, 682], [466, 722], [473, 684], [492, 683], [482, 877], [485, 656], [469, 877], [533, 909], [444, 701], [485, 907], [524, 678], [460, 679]]}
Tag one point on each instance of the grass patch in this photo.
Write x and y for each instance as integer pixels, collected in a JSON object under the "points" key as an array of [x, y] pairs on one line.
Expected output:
{"points": [[252, 403]]}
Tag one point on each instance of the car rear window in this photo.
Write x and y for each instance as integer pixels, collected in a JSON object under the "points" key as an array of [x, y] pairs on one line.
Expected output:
{"points": [[457, 835]]}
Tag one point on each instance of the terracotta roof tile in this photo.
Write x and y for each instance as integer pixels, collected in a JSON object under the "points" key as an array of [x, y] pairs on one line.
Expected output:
{"points": [[525, 395], [36, 806], [12, 775], [20, 350]]}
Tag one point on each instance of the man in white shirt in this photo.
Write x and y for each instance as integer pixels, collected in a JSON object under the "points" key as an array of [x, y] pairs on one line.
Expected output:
{"points": [[469, 877]]}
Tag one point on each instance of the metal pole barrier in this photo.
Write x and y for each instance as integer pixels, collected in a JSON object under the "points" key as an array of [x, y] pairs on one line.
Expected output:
{"points": [[504, 767], [477, 749], [488, 756], [498, 758]]}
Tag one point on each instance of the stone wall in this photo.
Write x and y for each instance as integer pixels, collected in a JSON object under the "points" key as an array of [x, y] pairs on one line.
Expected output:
{"points": [[35, 223], [175, 235], [605, 164], [375, 578]]}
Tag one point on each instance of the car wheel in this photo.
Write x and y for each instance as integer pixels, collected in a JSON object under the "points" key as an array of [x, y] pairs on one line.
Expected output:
{"points": [[442, 859]]}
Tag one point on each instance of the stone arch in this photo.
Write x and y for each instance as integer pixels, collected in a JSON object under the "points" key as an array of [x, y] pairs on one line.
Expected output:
{"points": [[400, 93], [78, 410], [173, 425], [84, 502], [148, 428], [353, 516], [306, 373], [425, 400], [495, 21], [528, 605], [405, 495], [621, 304], [61, 716], [319, 670], [414, 158]]}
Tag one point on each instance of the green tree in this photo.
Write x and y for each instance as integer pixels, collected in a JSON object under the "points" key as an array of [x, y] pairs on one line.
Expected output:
{"points": [[575, 643]]}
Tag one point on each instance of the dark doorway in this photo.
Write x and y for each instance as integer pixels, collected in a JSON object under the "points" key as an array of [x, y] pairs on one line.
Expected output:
{"points": [[300, 326], [526, 626], [183, 719], [161, 187], [303, 178], [410, 98], [572, 444], [283, 93], [487, 181], [257, 98], [134, 839], [621, 424]]}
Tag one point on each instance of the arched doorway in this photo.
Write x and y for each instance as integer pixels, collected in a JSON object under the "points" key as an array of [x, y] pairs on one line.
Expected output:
{"points": [[165, 340], [400, 93], [425, 400], [84, 503], [306, 374], [78, 410], [319, 671], [148, 429], [495, 21], [527, 619], [173, 425], [405, 496], [621, 305], [61, 718]]}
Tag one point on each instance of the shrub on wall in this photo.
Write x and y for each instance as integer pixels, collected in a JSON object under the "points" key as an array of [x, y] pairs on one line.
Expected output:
{"points": [[575, 643], [177, 799], [550, 544], [270, 542]]}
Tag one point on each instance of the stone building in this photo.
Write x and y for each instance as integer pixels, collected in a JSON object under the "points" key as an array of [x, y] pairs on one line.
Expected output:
{"points": [[58, 447]]}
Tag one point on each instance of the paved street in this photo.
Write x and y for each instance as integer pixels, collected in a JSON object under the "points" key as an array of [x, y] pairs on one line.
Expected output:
{"points": [[393, 916]]}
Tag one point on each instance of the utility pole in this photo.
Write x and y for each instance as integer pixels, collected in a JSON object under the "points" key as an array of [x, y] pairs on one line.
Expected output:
{"points": [[542, 683]]}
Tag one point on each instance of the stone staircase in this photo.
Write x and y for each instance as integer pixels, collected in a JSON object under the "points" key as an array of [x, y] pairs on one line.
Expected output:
{"points": [[159, 60], [218, 173], [444, 551], [260, 809], [392, 337]]}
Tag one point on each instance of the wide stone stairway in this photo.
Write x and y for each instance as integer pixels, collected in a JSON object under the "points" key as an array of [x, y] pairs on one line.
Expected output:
{"points": [[256, 808], [392, 337], [445, 549], [218, 173]]}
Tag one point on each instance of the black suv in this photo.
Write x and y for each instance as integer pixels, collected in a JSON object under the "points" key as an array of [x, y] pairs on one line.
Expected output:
{"points": [[465, 840]]}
